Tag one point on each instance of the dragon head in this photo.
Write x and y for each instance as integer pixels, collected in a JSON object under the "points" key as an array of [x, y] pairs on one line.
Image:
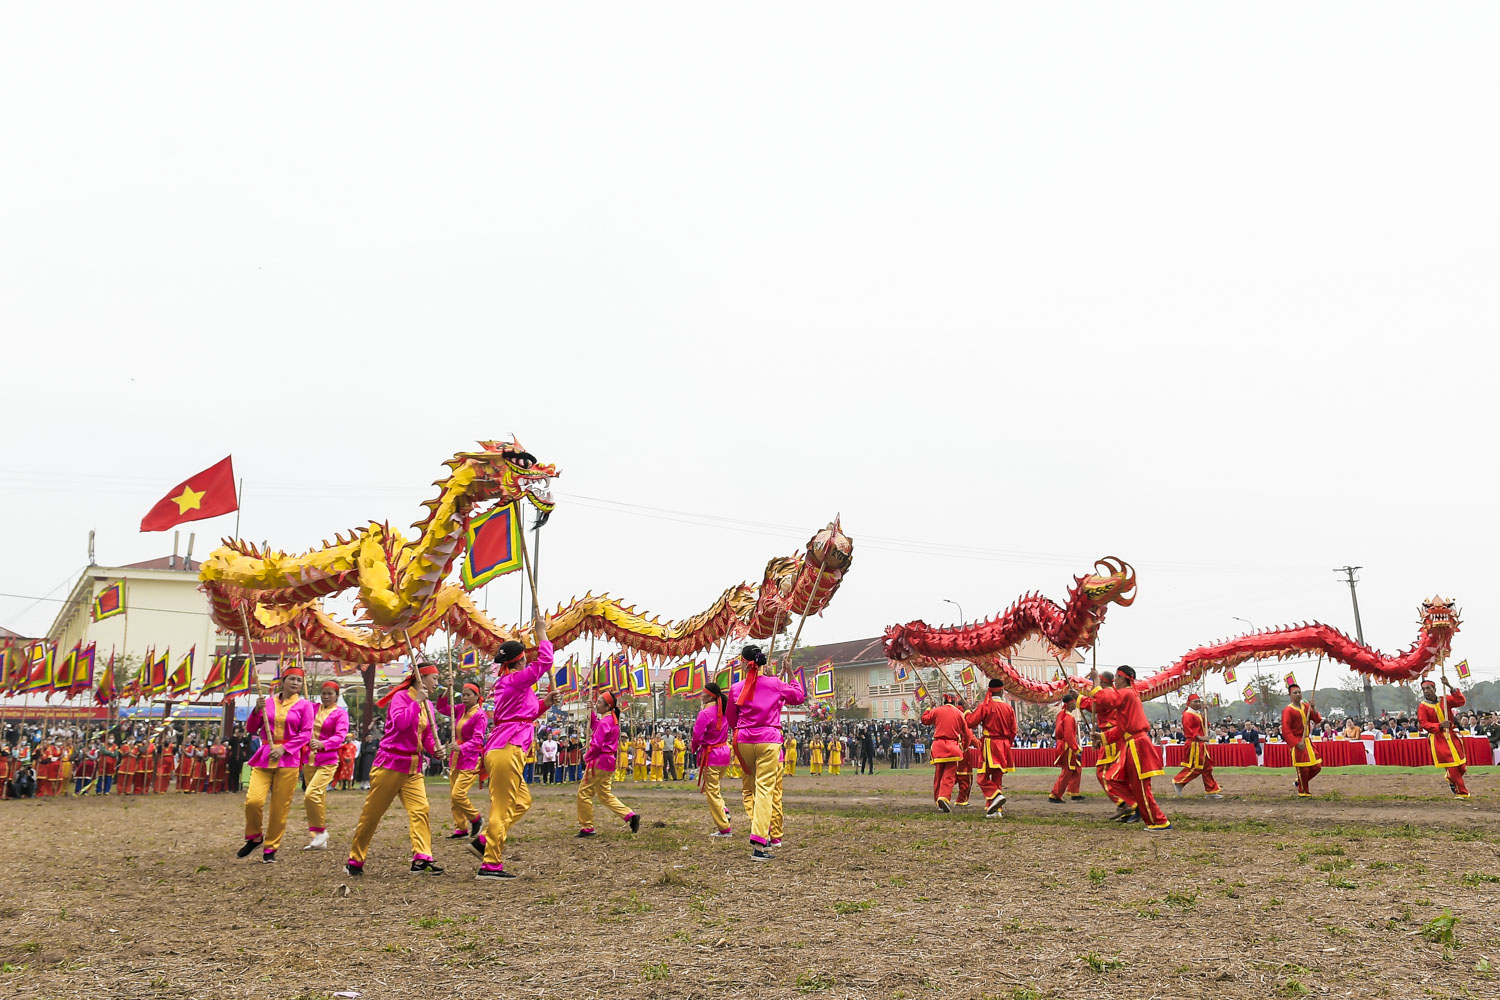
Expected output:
{"points": [[503, 471], [1113, 580], [1438, 617]]}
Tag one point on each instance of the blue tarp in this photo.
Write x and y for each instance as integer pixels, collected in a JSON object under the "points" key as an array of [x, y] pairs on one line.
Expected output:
{"points": [[192, 713]]}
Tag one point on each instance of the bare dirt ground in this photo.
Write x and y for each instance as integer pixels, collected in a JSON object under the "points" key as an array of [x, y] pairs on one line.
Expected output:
{"points": [[874, 895]]}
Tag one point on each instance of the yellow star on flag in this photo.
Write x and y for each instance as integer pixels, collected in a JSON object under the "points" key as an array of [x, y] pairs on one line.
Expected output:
{"points": [[189, 500]]}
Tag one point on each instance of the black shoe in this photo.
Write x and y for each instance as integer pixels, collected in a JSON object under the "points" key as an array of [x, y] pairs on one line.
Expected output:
{"points": [[635, 823], [943, 806], [268, 859], [475, 827], [760, 854], [426, 868], [244, 852], [485, 874], [588, 833], [1122, 810], [476, 847], [1132, 818], [1078, 798], [1053, 798], [353, 871], [458, 835]]}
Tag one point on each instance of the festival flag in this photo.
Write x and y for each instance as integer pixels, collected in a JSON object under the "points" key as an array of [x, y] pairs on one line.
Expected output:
{"points": [[905, 708], [105, 692], [601, 674], [899, 672], [208, 494], [182, 678], [823, 680], [142, 678], [921, 692], [966, 675], [39, 677], [470, 660], [1462, 669], [565, 677], [63, 674], [1216, 699], [700, 678], [620, 674], [493, 546], [83, 672], [1290, 678], [731, 675], [216, 675], [680, 680], [110, 601], [640, 680], [11, 666], [240, 682], [1229, 675], [156, 680], [1249, 693]]}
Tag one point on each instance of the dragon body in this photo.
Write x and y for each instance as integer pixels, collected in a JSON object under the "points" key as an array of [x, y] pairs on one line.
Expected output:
{"points": [[403, 599], [1075, 624]]}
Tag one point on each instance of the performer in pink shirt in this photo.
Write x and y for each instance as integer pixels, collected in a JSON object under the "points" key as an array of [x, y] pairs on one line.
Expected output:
{"points": [[599, 767], [284, 725], [710, 744], [755, 713], [469, 727], [330, 727], [410, 732], [512, 728]]}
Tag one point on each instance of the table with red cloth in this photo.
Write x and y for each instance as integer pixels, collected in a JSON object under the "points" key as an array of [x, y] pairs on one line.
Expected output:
{"points": [[1333, 753], [1418, 753], [1219, 754]]}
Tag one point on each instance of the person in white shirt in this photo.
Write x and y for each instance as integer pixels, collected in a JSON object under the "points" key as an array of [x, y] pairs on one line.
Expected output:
{"points": [[549, 760]]}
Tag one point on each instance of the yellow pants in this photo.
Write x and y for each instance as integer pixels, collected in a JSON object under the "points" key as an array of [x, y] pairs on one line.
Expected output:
{"points": [[509, 799], [776, 813], [622, 769], [833, 769], [595, 785], [816, 767], [656, 770], [315, 799], [640, 772], [713, 778], [278, 784], [385, 786], [758, 786], [790, 764], [464, 811]]}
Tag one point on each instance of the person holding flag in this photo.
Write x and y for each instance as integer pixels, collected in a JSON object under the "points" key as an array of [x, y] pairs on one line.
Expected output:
{"points": [[710, 745], [330, 729], [599, 767], [284, 724], [1435, 716], [950, 738], [1069, 761], [516, 709], [1197, 762], [410, 735], [755, 705], [1297, 720], [467, 746]]}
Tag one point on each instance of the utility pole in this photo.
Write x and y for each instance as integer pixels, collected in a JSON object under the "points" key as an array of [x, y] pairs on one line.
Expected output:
{"points": [[1359, 633]]}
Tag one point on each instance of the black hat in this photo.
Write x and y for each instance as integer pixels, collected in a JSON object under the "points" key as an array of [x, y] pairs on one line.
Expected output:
{"points": [[509, 650]]}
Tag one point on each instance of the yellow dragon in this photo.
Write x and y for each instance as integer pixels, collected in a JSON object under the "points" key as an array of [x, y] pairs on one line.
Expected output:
{"points": [[402, 596]]}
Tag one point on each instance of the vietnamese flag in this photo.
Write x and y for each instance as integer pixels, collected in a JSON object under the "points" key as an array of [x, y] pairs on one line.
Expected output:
{"points": [[208, 494]]}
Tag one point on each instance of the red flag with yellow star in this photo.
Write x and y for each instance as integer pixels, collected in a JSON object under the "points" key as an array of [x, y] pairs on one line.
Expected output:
{"points": [[208, 494]]}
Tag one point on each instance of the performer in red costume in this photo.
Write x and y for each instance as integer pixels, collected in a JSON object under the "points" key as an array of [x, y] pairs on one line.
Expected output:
{"points": [[1195, 733], [1297, 720], [949, 740], [999, 722], [1069, 759], [1435, 716], [972, 762], [1139, 760]]}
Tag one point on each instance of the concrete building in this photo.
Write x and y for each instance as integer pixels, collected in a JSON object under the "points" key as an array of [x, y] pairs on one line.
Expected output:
{"points": [[164, 610], [863, 678]]}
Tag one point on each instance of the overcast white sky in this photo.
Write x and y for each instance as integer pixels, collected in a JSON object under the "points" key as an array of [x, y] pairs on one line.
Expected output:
{"points": [[1212, 290]]}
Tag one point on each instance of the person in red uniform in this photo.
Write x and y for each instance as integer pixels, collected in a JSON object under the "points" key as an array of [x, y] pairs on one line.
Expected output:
{"points": [[1196, 763], [1069, 759], [973, 760], [999, 722], [949, 740], [1139, 760], [1106, 737], [218, 768], [166, 764], [1297, 720], [48, 770], [1435, 716]]}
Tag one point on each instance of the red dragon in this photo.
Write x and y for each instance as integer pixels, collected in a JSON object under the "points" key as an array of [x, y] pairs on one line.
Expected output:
{"points": [[988, 644]]}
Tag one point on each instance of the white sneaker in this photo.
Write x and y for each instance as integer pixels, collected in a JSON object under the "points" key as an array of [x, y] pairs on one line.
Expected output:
{"points": [[722, 835], [1217, 797], [997, 814], [1177, 788], [319, 842]]}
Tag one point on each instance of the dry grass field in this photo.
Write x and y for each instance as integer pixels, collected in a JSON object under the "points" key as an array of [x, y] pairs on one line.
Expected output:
{"points": [[1383, 887]]}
